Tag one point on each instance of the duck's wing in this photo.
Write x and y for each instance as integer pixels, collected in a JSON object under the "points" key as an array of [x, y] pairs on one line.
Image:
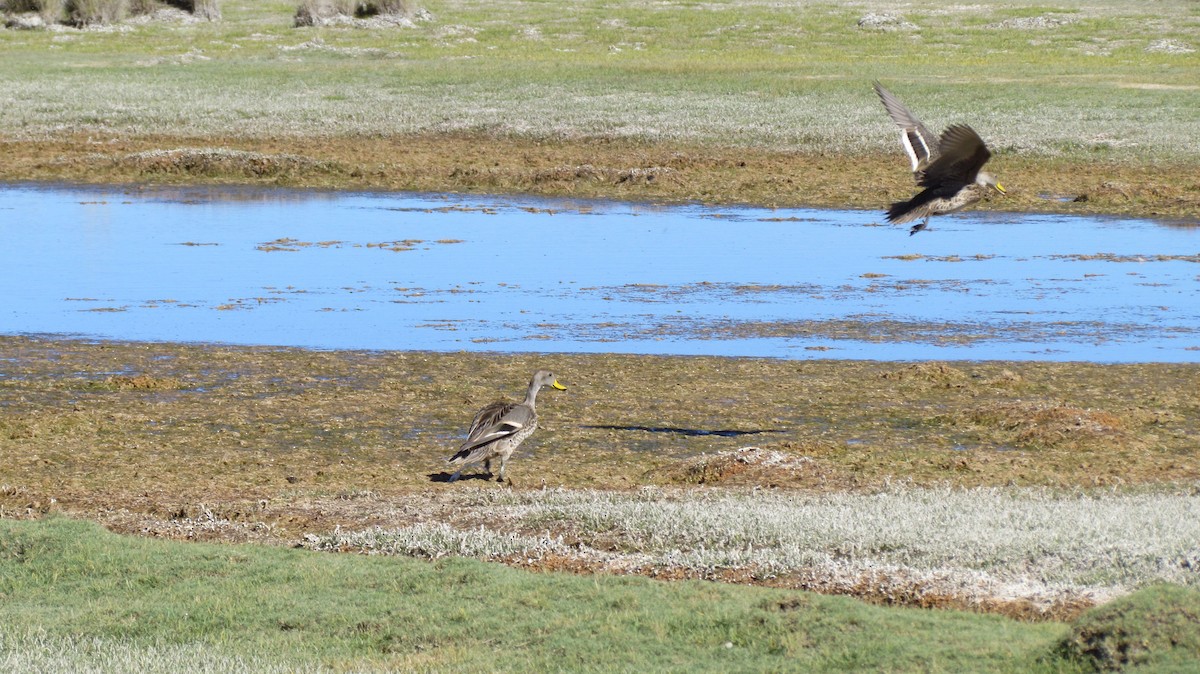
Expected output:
{"points": [[498, 426], [920, 145], [961, 154], [488, 416]]}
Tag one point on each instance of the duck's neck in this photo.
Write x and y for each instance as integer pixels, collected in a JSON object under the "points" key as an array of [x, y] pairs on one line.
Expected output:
{"points": [[531, 394]]}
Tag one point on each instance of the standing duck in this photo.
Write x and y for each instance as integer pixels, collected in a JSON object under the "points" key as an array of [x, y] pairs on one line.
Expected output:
{"points": [[498, 429]]}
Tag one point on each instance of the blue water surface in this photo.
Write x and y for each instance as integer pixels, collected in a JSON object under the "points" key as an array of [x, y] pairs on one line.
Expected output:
{"points": [[453, 272]]}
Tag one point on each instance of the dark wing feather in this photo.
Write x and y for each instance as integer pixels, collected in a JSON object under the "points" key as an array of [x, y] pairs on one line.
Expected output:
{"points": [[488, 416], [513, 419], [962, 155], [919, 142], [897, 211]]}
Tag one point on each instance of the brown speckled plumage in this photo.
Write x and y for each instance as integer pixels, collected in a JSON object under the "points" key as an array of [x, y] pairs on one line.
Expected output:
{"points": [[499, 428]]}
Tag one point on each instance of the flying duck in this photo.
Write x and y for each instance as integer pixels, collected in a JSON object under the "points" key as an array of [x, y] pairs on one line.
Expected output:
{"points": [[947, 167]]}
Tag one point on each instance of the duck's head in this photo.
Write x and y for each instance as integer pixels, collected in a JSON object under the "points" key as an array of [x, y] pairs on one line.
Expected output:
{"points": [[546, 378], [988, 180]]}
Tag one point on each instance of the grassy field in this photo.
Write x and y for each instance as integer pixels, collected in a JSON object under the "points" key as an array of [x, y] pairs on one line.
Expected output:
{"points": [[759, 102], [119, 605], [1031, 489]]}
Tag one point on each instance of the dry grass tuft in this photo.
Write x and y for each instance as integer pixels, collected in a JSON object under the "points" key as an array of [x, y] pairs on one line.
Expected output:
{"points": [[747, 465], [223, 162], [141, 382], [931, 374], [1038, 425], [97, 12], [51, 11], [387, 7], [204, 9], [321, 12], [357, 13]]}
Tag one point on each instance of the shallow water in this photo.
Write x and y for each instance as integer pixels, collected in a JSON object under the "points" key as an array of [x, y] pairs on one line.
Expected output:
{"points": [[441, 272]]}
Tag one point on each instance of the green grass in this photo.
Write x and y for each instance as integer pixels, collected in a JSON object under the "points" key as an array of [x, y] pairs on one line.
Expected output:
{"points": [[1156, 630], [740, 73], [76, 588]]}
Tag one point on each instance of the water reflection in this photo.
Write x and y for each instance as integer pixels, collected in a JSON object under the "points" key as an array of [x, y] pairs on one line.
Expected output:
{"points": [[438, 272]]}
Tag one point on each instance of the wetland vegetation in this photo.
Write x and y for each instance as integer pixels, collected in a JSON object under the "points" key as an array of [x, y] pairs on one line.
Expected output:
{"points": [[1062, 492]]}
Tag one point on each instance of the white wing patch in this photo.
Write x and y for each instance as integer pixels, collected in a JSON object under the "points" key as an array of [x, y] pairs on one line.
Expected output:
{"points": [[917, 152]]}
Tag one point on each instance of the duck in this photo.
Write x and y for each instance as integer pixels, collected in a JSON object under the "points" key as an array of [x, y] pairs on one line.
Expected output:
{"points": [[499, 428], [947, 167]]}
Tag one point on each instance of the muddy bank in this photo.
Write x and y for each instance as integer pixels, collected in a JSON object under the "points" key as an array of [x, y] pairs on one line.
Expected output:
{"points": [[595, 169]]}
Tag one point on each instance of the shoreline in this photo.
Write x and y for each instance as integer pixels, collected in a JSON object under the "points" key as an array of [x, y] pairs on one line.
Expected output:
{"points": [[609, 170]]}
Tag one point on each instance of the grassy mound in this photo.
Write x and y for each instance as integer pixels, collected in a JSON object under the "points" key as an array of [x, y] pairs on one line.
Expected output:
{"points": [[1155, 629]]}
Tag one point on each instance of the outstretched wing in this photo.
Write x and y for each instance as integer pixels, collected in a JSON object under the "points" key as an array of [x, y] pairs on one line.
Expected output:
{"points": [[918, 142], [962, 154]]}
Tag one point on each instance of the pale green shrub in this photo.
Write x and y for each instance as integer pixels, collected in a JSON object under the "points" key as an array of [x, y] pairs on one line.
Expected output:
{"points": [[1031, 543]]}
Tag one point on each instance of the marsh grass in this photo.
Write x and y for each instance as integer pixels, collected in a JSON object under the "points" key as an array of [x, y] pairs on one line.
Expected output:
{"points": [[1037, 546], [1043, 425], [216, 162], [340, 420], [741, 102], [221, 443], [80, 597], [749, 102]]}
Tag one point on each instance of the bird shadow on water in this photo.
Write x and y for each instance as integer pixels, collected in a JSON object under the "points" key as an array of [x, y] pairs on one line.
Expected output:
{"points": [[724, 433]]}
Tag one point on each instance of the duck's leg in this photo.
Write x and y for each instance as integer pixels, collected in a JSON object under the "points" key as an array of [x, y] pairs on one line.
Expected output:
{"points": [[487, 467], [919, 226], [503, 463]]}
